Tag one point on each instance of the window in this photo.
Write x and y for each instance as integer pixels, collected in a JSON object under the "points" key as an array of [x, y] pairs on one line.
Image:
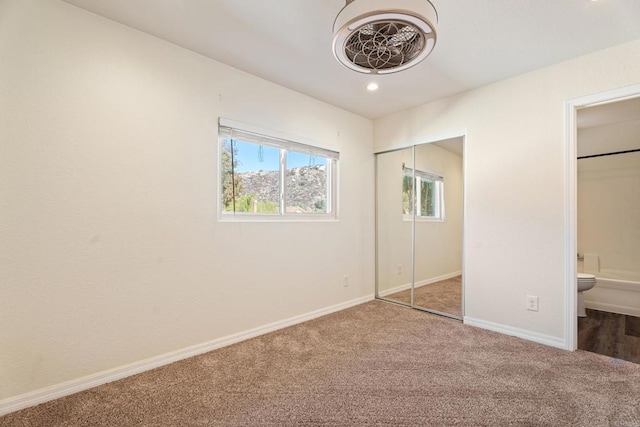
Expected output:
{"points": [[429, 194], [268, 177]]}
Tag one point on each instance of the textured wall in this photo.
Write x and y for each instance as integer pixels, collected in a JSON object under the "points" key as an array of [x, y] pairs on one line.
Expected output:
{"points": [[515, 174], [609, 195], [109, 242], [609, 226]]}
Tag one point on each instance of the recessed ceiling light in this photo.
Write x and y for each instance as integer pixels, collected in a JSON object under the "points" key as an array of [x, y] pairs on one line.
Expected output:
{"points": [[372, 87]]}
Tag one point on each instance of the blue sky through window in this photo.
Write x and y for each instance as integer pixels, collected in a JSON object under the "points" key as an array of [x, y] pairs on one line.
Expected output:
{"points": [[251, 158]]}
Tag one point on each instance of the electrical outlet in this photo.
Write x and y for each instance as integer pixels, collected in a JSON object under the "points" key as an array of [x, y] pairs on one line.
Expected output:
{"points": [[345, 281], [532, 303], [399, 268]]}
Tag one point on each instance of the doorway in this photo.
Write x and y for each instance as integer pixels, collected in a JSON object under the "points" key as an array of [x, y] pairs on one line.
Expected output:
{"points": [[608, 215], [419, 227], [615, 103]]}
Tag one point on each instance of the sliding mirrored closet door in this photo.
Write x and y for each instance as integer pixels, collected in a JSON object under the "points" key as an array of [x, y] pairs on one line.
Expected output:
{"points": [[419, 211], [394, 255]]}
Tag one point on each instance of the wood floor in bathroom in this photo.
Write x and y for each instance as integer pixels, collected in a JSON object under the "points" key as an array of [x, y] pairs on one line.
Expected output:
{"points": [[611, 334]]}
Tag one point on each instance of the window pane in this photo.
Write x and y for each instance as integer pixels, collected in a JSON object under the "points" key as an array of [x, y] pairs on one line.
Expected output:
{"points": [[250, 177], [427, 200], [274, 177], [407, 194], [306, 183], [424, 193]]}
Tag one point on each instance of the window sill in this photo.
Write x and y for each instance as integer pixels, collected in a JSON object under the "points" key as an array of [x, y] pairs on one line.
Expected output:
{"points": [[277, 218], [409, 218]]}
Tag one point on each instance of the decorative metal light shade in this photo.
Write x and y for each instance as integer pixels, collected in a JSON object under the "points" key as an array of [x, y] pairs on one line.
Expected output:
{"points": [[383, 36]]}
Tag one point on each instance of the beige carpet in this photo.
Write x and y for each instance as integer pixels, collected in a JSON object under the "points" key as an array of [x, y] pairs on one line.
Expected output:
{"points": [[375, 364], [444, 296]]}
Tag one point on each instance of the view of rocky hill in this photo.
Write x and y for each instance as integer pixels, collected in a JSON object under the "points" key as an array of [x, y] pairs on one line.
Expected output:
{"points": [[306, 187]]}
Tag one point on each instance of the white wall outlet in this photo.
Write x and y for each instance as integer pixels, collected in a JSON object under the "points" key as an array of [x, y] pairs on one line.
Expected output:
{"points": [[345, 281], [399, 268], [532, 303]]}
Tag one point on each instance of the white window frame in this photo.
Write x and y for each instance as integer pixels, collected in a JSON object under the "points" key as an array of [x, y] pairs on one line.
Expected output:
{"points": [[418, 175], [285, 143]]}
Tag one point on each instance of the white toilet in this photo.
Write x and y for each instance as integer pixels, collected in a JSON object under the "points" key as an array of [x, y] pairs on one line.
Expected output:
{"points": [[585, 282]]}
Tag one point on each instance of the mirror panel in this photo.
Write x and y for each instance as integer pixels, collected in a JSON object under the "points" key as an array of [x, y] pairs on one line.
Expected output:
{"points": [[419, 227], [438, 227], [393, 229]]}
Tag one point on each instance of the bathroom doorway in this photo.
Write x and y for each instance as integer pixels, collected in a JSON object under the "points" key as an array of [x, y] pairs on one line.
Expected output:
{"points": [[603, 156], [608, 220], [419, 227]]}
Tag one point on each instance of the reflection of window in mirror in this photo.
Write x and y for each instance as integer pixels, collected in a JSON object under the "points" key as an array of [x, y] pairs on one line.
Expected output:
{"points": [[429, 195]]}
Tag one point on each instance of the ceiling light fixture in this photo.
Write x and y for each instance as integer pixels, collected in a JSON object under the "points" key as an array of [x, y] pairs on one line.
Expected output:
{"points": [[371, 87], [370, 36]]}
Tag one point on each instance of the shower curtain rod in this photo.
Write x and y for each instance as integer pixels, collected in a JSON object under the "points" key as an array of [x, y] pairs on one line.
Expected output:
{"points": [[609, 154]]}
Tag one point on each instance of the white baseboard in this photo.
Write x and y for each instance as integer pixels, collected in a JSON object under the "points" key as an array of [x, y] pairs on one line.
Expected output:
{"points": [[613, 308], [43, 395], [517, 332], [420, 283]]}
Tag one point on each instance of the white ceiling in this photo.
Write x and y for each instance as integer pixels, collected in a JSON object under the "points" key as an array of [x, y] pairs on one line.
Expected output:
{"points": [[288, 42]]}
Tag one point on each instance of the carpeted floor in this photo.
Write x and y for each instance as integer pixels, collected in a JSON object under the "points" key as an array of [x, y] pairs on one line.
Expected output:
{"points": [[444, 296], [374, 364]]}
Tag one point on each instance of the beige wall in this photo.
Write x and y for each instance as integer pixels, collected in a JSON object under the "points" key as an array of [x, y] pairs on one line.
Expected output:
{"points": [[109, 244], [109, 247], [515, 174], [609, 227], [608, 138], [609, 196], [438, 244]]}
